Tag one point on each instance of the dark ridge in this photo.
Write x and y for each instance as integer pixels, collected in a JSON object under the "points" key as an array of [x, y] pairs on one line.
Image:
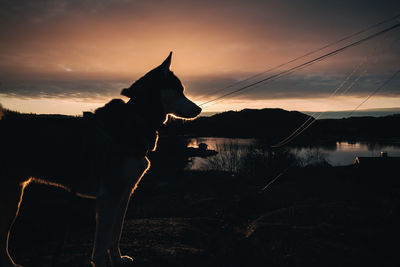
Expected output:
{"points": [[11, 114], [274, 125], [248, 123]]}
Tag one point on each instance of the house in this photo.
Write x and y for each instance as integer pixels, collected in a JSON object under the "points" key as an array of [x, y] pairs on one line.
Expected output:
{"points": [[203, 146]]}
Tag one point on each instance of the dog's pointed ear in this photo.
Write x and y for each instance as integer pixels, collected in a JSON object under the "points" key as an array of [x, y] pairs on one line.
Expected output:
{"points": [[127, 92], [134, 90], [167, 62]]}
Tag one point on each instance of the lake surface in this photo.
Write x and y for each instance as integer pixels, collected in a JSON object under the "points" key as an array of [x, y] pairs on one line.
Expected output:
{"points": [[343, 153]]}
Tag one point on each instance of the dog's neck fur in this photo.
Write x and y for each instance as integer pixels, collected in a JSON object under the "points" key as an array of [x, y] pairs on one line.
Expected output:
{"points": [[151, 115], [132, 126]]}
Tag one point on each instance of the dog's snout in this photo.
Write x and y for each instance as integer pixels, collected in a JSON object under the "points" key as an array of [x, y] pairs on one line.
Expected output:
{"points": [[180, 106], [194, 109], [197, 110]]}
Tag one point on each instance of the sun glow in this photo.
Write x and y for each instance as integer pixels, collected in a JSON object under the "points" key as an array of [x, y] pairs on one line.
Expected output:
{"points": [[41, 181], [177, 117], [155, 142], [50, 183], [25, 183], [141, 176]]}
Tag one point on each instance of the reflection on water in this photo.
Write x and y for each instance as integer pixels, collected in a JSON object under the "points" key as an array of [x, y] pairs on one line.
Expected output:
{"points": [[346, 152], [214, 142], [225, 147], [343, 153]]}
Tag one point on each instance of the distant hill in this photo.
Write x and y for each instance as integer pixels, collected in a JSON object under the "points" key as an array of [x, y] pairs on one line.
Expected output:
{"points": [[10, 114], [276, 124], [339, 114], [376, 112], [266, 123], [379, 129]]}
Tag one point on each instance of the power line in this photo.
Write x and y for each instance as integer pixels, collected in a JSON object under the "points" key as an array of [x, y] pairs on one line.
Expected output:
{"points": [[300, 129], [311, 117], [308, 53], [376, 91], [273, 180], [315, 119], [278, 75]]}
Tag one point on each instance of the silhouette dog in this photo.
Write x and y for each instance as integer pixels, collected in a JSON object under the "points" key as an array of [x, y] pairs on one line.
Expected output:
{"points": [[101, 155]]}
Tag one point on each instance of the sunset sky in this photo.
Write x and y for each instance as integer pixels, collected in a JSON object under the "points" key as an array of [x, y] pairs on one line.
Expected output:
{"points": [[70, 56]]}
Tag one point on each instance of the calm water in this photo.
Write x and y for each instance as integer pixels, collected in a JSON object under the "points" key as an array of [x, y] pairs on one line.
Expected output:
{"points": [[344, 153]]}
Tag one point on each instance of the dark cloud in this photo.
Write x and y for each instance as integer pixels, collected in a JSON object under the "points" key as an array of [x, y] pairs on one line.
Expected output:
{"points": [[299, 86], [62, 89], [298, 26], [295, 86], [312, 16]]}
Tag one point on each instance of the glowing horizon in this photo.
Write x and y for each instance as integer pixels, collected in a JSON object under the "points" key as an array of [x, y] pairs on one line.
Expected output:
{"points": [[76, 107]]}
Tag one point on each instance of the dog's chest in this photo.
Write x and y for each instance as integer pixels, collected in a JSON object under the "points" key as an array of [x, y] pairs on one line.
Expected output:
{"points": [[73, 154]]}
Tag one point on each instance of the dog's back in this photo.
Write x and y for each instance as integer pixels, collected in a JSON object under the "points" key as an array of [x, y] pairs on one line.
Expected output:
{"points": [[67, 149], [48, 147]]}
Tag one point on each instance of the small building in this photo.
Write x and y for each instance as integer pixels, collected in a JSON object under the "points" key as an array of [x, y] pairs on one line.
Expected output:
{"points": [[203, 146]]}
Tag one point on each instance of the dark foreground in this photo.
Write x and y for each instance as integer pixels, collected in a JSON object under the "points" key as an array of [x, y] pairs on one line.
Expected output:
{"points": [[313, 216]]}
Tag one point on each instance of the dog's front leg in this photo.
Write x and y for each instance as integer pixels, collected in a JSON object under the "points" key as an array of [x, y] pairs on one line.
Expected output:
{"points": [[115, 253], [133, 170], [107, 207]]}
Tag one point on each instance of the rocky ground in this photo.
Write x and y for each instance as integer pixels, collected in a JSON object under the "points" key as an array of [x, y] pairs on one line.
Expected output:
{"points": [[312, 216]]}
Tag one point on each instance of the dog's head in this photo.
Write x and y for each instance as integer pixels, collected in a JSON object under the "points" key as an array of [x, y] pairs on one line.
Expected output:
{"points": [[161, 88]]}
